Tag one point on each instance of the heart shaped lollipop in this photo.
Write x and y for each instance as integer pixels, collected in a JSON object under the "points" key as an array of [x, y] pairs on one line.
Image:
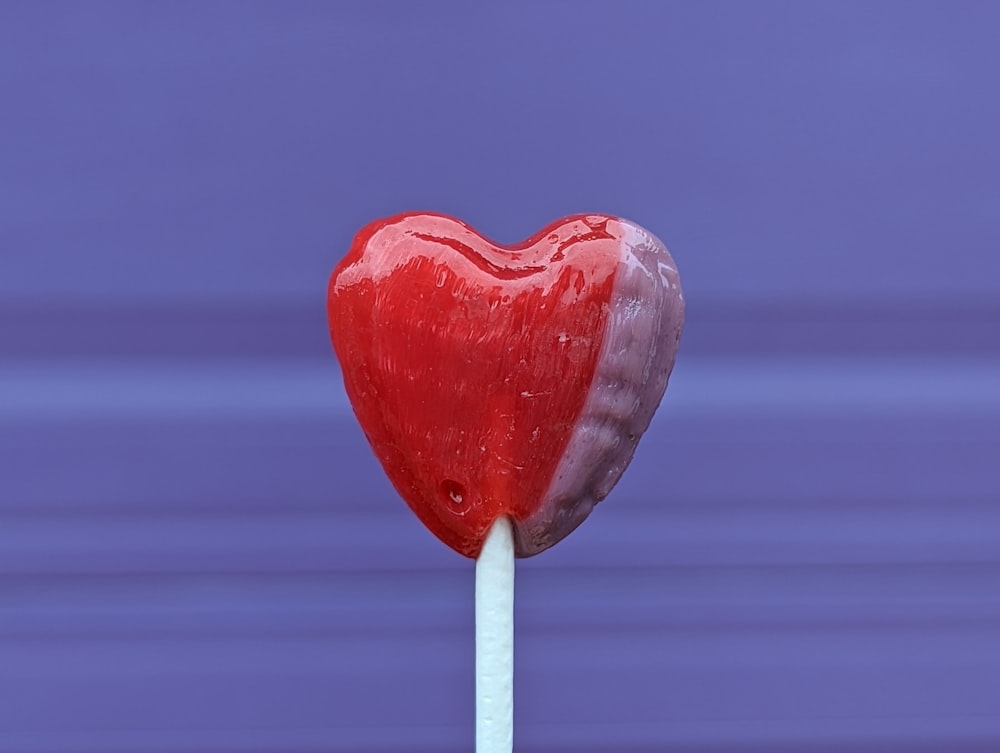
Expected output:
{"points": [[504, 381]]}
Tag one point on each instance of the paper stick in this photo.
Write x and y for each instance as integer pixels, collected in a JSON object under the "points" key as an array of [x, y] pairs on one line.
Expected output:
{"points": [[495, 641]]}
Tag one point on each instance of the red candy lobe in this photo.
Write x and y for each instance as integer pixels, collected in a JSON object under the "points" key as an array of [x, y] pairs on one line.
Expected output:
{"points": [[468, 363]]}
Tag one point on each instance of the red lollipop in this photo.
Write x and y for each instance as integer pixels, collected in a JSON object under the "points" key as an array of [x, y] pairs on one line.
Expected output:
{"points": [[502, 384], [497, 380]]}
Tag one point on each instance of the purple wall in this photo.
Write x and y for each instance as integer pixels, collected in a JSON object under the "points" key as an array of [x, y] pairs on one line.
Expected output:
{"points": [[198, 552]]}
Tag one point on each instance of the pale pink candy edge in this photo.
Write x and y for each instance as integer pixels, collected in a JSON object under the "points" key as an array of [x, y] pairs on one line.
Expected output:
{"points": [[637, 355]]}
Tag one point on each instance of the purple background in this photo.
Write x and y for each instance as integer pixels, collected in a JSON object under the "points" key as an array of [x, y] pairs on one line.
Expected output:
{"points": [[198, 552]]}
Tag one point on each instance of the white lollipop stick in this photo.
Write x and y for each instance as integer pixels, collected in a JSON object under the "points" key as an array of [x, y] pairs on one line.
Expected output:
{"points": [[495, 641]]}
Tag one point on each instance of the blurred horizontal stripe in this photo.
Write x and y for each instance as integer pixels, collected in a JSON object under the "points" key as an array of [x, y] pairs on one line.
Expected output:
{"points": [[616, 535], [884, 692], [297, 388], [754, 328], [594, 598], [890, 734]]}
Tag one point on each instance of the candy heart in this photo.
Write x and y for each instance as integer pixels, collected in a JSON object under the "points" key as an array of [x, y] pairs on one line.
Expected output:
{"points": [[496, 380]]}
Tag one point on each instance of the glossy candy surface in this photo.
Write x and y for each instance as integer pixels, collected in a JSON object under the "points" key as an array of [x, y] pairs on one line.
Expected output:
{"points": [[496, 380]]}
